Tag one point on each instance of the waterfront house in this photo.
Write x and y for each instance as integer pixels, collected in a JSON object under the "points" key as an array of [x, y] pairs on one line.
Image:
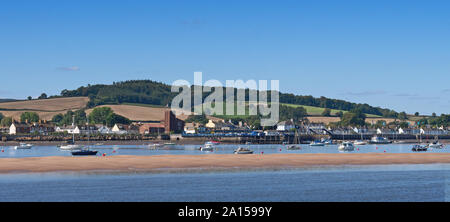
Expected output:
{"points": [[151, 128], [42, 128], [19, 128], [69, 129], [189, 128], [124, 129], [285, 125], [103, 129], [210, 124]]}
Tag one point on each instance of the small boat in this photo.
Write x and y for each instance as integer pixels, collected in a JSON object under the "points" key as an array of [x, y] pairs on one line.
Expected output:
{"points": [[248, 143], [70, 147], [317, 143], [417, 148], [169, 144], [346, 146], [379, 140], [242, 150], [360, 142], [435, 144], [293, 147], [207, 147], [23, 146], [399, 142], [154, 145], [98, 144], [84, 152], [326, 141]]}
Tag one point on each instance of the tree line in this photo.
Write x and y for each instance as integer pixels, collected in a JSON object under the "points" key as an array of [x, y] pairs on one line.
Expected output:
{"points": [[157, 93]]}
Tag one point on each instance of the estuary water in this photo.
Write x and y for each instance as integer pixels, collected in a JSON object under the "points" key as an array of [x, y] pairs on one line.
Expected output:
{"points": [[40, 151], [341, 183]]}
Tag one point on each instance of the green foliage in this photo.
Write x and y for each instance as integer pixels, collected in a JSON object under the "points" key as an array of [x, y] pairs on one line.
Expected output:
{"points": [[135, 91], [326, 112], [156, 93], [6, 121], [1, 116], [443, 120], [43, 96], [31, 117], [197, 119], [29, 98], [297, 114], [402, 116], [106, 116], [339, 114], [113, 118], [403, 124], [353, 118], [66, 119], [416, 114]]}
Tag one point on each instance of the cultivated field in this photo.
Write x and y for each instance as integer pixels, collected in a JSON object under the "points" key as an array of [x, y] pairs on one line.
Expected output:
{"points": [[45, 108], [143, 113]]}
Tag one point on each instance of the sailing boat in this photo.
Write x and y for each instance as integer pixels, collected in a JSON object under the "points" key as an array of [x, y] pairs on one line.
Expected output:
{"points": [[360, 142], [71, 146], [85, 150]]}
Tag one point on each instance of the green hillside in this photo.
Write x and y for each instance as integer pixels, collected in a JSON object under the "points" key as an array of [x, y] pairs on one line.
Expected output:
{"points": [[157, 93]]}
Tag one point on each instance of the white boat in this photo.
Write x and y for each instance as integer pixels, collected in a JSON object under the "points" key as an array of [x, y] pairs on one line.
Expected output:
{"points": [[242, 150], [23, 146], [169, 144], [317, 143], [360, 142], [326, 141], [346, 146], [207, 147], [418, 148], [435, 144], [70, 147], [379, 140], [154, 145]]}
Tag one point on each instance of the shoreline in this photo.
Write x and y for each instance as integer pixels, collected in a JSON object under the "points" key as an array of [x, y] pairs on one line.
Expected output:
{"points": [[161, 163], [146, 142]]}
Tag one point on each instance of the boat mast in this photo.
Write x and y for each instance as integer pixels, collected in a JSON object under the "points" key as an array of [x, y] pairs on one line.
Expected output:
{"points": [[73, 130]]}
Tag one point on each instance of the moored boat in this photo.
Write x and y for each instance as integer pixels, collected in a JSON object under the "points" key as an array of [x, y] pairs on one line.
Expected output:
{"points": [[360, 142], [346, 146], [317, 143], [207, 147], [23, 146], [379, 140], [242, 150], [417, 148], [435, 144], [154, 145], [84, 152], [70, 147]]}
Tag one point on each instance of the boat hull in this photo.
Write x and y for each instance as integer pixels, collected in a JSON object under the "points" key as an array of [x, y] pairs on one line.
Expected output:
{"points": [[243, 152], [84, 153]]}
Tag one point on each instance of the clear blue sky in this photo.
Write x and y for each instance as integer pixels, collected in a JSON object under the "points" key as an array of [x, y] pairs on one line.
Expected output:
{"points": [[393, 54]]}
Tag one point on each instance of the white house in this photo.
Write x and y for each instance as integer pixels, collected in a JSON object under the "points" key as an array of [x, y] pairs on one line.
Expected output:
{"points": [[119, 129], [19, 128], [189, 128], [285, 126], [104, 130], [70, 129]]}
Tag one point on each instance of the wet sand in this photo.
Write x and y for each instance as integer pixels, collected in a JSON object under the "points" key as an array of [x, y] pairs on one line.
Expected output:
{"points": [[208, 162]]}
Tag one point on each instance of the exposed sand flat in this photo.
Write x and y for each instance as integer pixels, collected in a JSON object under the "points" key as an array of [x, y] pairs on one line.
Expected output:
{"points": [[219, 161]]}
